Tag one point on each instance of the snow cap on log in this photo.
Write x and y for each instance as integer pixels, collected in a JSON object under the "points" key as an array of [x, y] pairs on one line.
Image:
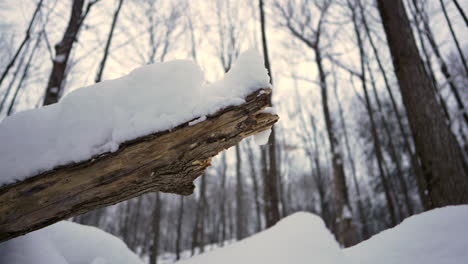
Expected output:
{"points": [[105, 144], [99, 118]]}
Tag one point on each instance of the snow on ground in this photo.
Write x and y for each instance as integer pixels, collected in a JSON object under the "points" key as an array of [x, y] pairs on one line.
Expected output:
{"points": [[434, 237], [67, 243], [98, 118], [439, 236], [299, 238]]}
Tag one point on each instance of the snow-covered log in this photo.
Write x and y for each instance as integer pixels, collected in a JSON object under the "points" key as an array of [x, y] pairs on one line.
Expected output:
{"points": [[166, 161]]}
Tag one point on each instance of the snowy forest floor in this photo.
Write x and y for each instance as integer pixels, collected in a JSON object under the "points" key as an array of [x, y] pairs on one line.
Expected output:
{"points": [[434, 237]]}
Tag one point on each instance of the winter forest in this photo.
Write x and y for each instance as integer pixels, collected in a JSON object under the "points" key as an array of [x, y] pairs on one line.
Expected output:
{"points": [[371, 97]]}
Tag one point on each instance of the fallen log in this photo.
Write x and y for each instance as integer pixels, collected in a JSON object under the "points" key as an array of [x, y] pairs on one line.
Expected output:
{"points": [[166, 161]]}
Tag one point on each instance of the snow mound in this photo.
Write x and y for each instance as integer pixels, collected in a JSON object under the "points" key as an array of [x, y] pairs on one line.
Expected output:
{"points": [[98, 118], [31, 248], [434, 237], [299, 238], [67, 243]]}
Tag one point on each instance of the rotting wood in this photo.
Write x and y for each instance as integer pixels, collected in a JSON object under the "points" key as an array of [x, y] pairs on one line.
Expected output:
{"points": [[167, 161]]}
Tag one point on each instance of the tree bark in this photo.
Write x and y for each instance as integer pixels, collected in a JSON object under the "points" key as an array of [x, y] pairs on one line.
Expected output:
{"points": [[282, 193], [222, 203], [126, 220], [377, 144], [443, 65], [135, 223], [167, 161], [198, 227], [375, 135], [319, 178], [180, 219], [427, 62], [156, 229], [314, 154], [63, 50], [240, 221], [255, 186], [270, 176], [346, 233], [442, 161], [415, 166], [362, 216], [392, 148]]}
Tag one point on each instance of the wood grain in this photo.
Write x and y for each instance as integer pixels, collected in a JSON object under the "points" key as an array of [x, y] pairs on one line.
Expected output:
{"points": [[167, 161]]}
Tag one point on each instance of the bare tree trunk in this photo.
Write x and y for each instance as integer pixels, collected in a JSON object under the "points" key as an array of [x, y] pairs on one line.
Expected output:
{"points": [[63, 50], [428, 66], [460, 10], [102, 65], [375, 135], [441, 157], [195, 230], [24, 76], [180, 219], [231, 217], [255, 185], [280, 184], [393, 194], [21, 46], [362, 216], [452, 32], [314, 155], [415, 165], [319, 178], [346, 233], [431, 73], [443, 65], [26, 68], [393, 152], [126, 222], [136, 223], [270, 175], [213, 234], [14, 77], [239, 197], [193, 41], [156, 229], [198, 229], [223, 199], [383, 171]]}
